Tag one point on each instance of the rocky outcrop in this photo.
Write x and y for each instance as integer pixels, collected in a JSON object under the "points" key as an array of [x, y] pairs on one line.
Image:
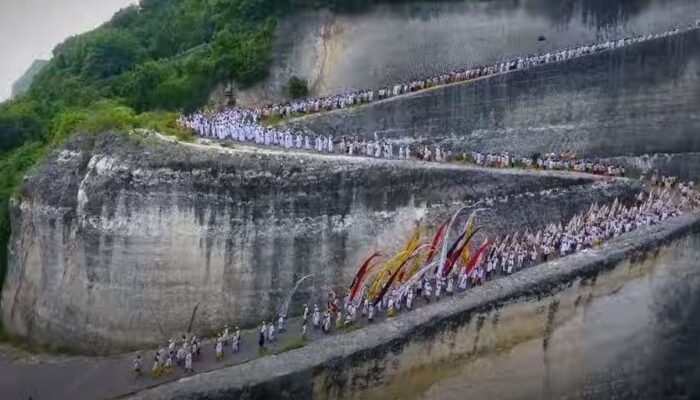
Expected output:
{"points": [[117, 238]]}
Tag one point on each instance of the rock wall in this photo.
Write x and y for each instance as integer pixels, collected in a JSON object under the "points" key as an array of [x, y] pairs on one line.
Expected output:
{"points": [[116, 238], [392, 43], [502, 313], [685, 166], [629, 102]]}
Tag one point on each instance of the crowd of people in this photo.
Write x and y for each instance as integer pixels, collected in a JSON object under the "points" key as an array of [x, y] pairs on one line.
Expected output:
{"points": [[379, 148], [229, 125], [236, 125], [184, 352], [502, 256], [552, 161], [689, 197], [513, 253], [510, 253]]}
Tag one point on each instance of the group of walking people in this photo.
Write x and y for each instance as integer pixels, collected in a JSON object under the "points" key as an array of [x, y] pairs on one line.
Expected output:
{"points": [[382, 149], [510, 253], [565, 161], [236, 125], [184, 352]]}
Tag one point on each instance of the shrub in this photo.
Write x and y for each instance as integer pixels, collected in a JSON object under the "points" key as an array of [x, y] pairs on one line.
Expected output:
{"points": [[12, 168], [165, 123], [297, 88]]}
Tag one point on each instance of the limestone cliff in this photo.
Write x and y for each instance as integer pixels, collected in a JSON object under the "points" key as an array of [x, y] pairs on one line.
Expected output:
{"points": [[630, 102], [116, 238], [391, 43]]}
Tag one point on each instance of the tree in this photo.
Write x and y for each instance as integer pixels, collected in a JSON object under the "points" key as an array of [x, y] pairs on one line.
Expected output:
{"points": [[139, 85], [125, 18], [110, 52], [19, 123], [243, 56]]}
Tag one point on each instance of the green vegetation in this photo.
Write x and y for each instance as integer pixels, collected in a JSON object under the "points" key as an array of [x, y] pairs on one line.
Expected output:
{"points": [[20, 159], [150, 62], [466, 158], [22, 347], [349, 328], [290, 344], [271, 120], [297, 88]]}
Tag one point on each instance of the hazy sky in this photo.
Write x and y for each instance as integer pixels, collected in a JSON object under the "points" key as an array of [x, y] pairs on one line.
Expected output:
{"points": [[29, 29]]}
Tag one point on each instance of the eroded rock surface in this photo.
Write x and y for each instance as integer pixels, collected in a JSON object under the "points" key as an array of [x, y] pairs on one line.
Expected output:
{"points": [[117, 238]]}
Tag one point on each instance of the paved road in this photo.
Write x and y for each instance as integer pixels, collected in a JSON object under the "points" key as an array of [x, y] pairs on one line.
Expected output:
{"points": [[109, 377]]}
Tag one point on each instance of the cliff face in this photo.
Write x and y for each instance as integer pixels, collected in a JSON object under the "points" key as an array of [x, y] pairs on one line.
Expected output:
{"points": [[638, 100], [117, 239], [387, 44], [115, 243]]}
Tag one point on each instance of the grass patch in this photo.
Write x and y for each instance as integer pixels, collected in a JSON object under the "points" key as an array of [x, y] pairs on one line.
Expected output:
{"points": [[165, 123], [290, 344], [271, 120], [466, 158], [24, 346], [348, 328]]}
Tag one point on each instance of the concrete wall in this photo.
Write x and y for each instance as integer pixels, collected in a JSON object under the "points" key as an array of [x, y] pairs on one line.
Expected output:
{"points": [[497, 315], [638, 100], [393, 43], [116, 239]]}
